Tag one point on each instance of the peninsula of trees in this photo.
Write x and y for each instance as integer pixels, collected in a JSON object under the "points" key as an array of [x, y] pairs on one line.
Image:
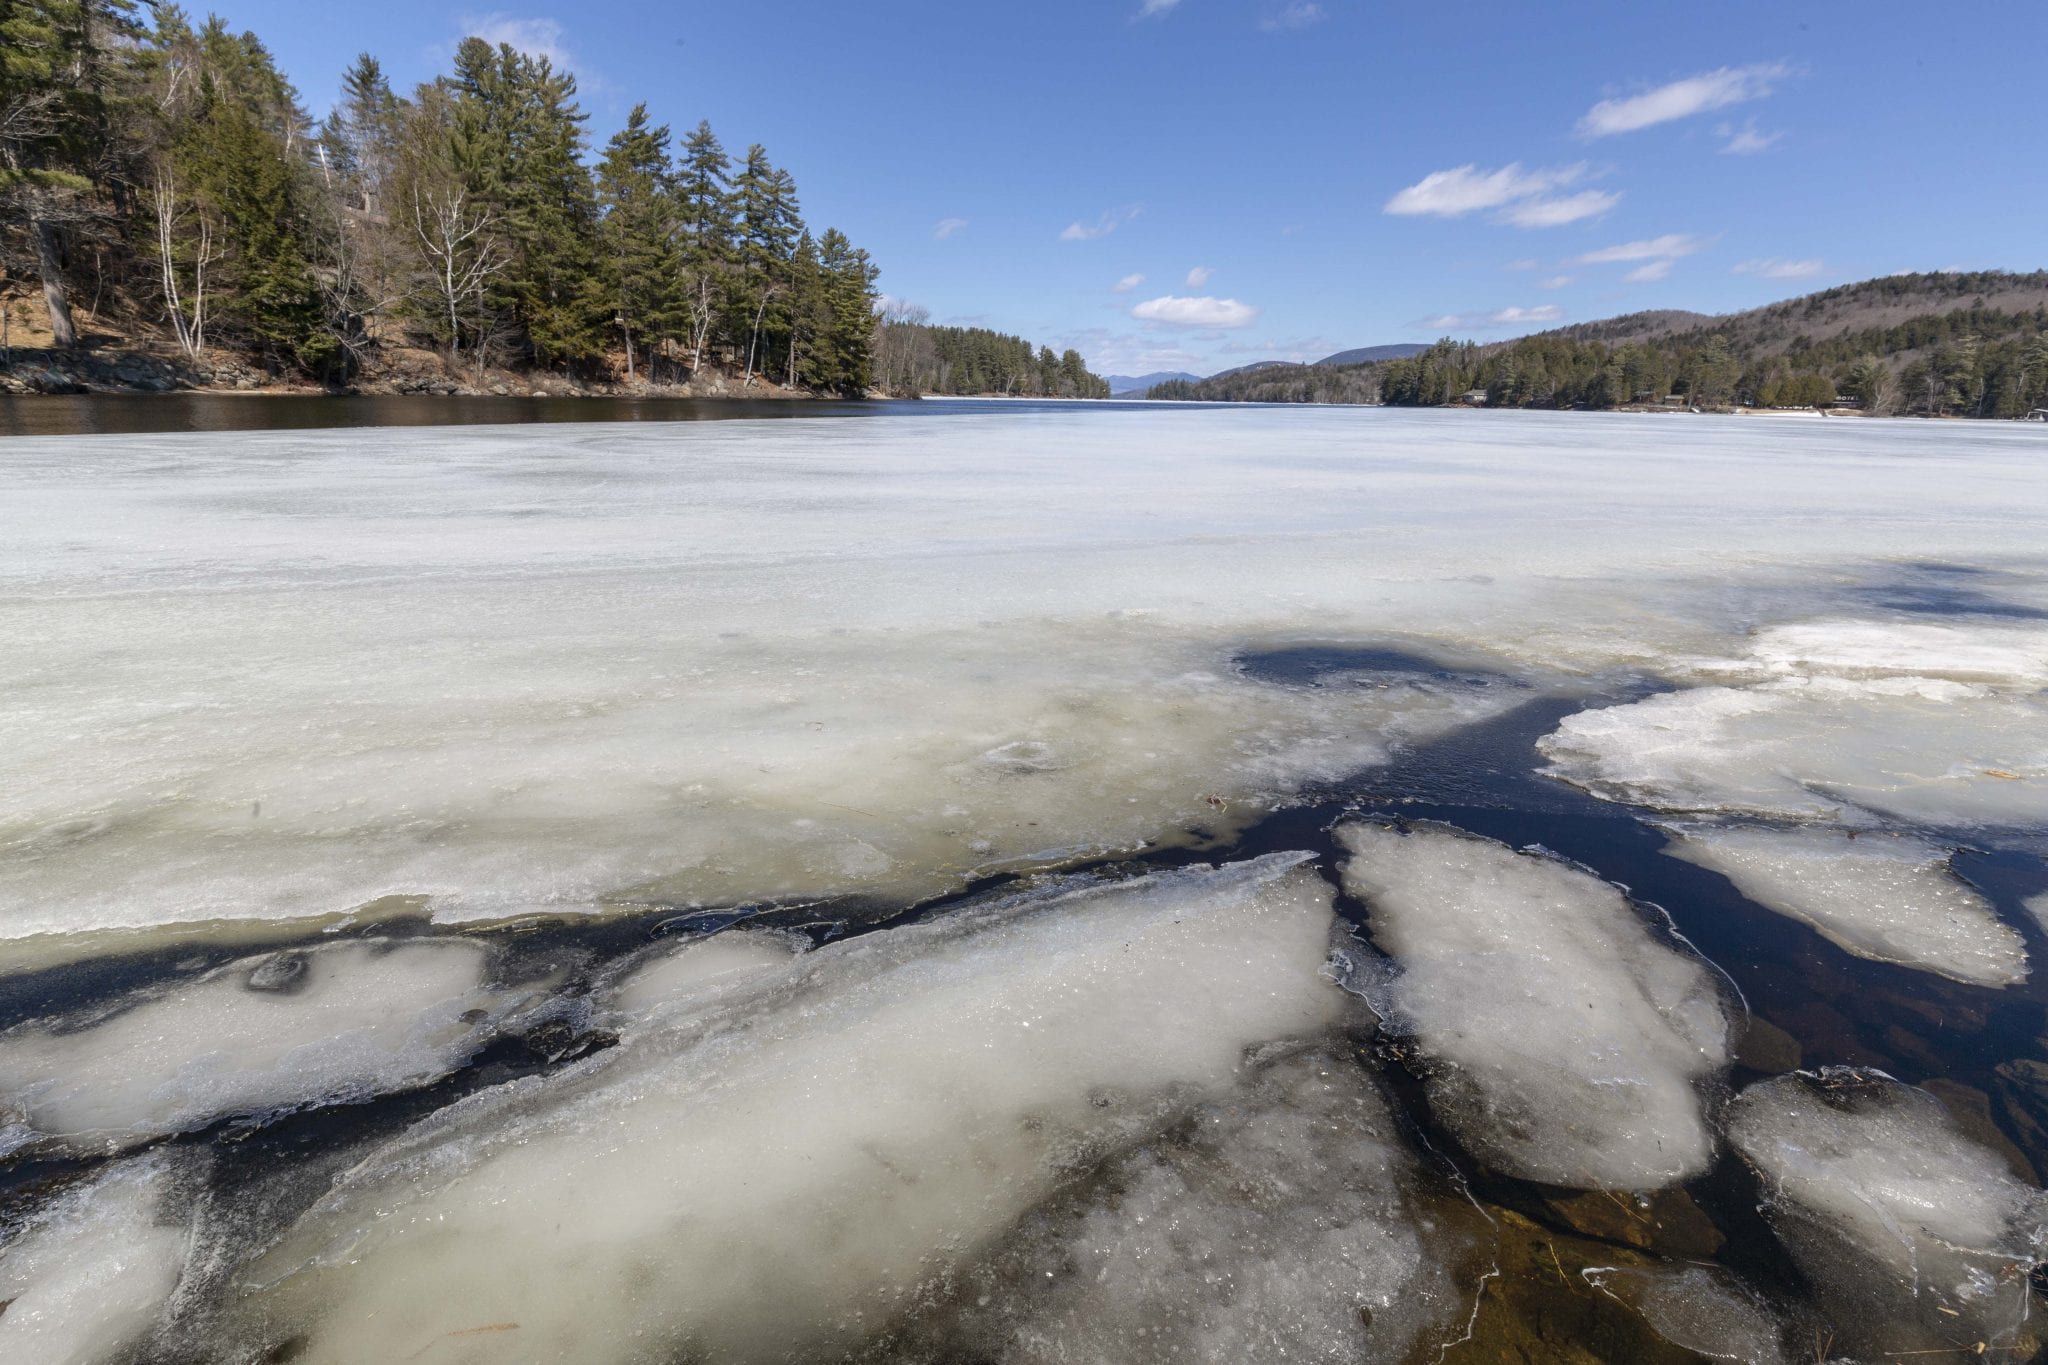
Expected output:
{"points": [[1972, 344], [162, 186]]}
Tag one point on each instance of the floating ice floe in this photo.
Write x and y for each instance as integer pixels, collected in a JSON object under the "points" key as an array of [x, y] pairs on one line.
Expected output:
{"points": [[1565, 1038], [334, 1023], [778, 1174], [1837, 727], [688, 975], [1884, 898], [90, 1274], [1286, 1223], [1701, 1308], [1917, 1237]]}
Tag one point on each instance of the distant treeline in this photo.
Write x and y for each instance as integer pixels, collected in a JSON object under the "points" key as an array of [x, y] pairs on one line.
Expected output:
{"points": [[912, 356], [1971, 360], [169, 173]]}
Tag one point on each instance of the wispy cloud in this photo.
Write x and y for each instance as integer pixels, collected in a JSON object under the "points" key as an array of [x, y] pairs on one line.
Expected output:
{"points": [[1747, 140], [1570, 208], [532, 36], [1670, 246], [1467, 189], [1512, 316], [1293, 16], [1213, 314], [1774, 268], [1683, 98], [947, 227], [1199, 276], [1109, 222], [1155, 7], [1554, 282], [1127, 284], [1645, 274], [1526, 263]]}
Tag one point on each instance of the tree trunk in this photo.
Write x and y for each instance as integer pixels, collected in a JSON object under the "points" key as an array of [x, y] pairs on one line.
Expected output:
{"points": [[62, 334]]}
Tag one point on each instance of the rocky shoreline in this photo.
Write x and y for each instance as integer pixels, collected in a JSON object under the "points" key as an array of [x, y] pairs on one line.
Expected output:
{"points": [[47, 371]]}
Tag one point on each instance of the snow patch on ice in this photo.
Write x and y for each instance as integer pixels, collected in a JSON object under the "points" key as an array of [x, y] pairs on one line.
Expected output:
{"points": [[1887, 899], [1566, 1038], [776, 1174], [1917, 1236]]}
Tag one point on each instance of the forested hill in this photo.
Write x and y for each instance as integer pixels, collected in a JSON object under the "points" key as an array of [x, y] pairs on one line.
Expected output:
{"points": [[163, 190], [914, 357], [1958, 343]]}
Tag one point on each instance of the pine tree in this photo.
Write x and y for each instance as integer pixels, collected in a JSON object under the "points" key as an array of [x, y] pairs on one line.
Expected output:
{"points": [[706, 213], [643, 260]]}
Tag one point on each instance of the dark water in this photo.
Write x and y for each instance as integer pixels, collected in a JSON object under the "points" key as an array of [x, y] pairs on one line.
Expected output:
{"points": [[127, 414], [1818, 1006]]}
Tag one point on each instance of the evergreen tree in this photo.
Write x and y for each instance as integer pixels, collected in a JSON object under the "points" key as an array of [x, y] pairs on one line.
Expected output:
{"points": [[643, 259], [54, 106]]}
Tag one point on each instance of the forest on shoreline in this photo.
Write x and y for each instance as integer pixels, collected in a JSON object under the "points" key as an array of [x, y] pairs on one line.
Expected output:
{"points": [[1948, 344], [170, 204]]}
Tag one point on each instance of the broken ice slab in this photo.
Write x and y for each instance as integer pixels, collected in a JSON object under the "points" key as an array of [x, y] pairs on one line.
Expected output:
{"points": [[1565, 1038]]}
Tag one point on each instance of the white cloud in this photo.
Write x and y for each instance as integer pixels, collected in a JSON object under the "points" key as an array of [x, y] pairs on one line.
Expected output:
{"points": [[1683, 98], [1466, 189], [947, 227], [1644, 274], [1127, 284], [1152, 7], [534, 37], [1110, 352], [1746, 140], [1554, 282], [1174, 311], [1101, 227], [1570, 208], [1668, 247], [1500, 317], [1199, 276], [1297, 14], [1772, 268], [1526, 263]]}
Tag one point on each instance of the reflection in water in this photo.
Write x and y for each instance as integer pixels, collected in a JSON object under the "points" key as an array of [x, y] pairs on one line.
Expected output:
{"points": [[114, 414]]}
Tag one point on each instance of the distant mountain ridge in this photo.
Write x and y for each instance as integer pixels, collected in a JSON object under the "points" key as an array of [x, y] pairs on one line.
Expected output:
{"points": [[1128, 386], [1124, 385], [1947, 343]]}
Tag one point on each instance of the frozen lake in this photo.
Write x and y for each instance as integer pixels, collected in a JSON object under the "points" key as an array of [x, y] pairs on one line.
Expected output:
{"points": [[1037, 883]]}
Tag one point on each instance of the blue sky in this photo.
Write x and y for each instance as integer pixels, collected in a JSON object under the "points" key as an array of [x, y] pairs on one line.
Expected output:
{"points": [[1169, 184]]}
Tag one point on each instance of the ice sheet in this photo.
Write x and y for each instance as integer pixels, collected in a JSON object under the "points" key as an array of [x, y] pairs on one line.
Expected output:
{"points": [[1891, 899], [261, 675], [1565, 1039], [339, 1022], [1856, 722], [1699, 1307], [1918, 1237], [89, 1275], [1285, 1224], [776, 1175]]}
